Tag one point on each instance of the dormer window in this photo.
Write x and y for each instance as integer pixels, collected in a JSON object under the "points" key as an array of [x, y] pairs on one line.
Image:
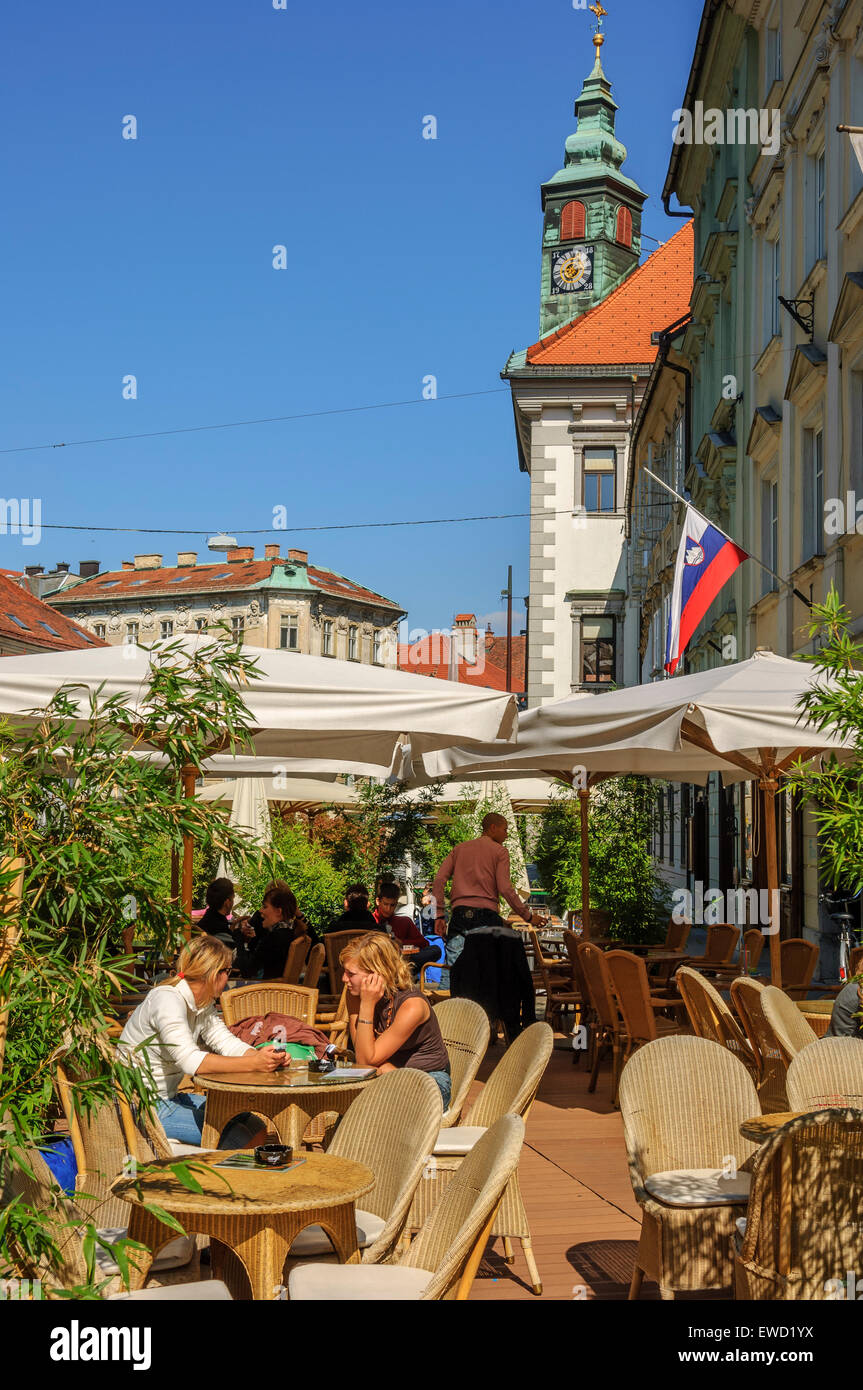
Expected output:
{"points": [[624, 227], [572, 221]]}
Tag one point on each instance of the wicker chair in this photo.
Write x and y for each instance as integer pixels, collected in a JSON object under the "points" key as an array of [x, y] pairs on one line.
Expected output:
{"points": [[104, 1138], [334, 944], [443, 1260], [711, 1017], [676, 935], [787, 1024], [314, 966], [721, 942], [750, 954], [803, 1230], [391, 1128], [683, 1100], [269, 996], [335, 1023], [606, 1026], [465, 1028], [798, 961], [510, 1089], [296, 959], [555, 979], [828, 1074], [636, 1003], [746, 996]]}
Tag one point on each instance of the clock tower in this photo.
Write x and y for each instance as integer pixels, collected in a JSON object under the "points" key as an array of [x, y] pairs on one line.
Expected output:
{"points": [[591, 211]]}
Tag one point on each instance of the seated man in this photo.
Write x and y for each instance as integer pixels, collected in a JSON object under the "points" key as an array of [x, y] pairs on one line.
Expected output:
{"points": [[405, 932], [220, 903], [846, 1020], [268, 935], [356, 916]]}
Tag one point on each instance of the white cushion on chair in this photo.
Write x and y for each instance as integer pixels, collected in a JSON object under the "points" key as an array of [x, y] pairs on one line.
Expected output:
{"points": [[314, 1240], [458, 1139], [361, 1283], [179, 1149], [698, 1187], [173, 1256], [203, 1291]]}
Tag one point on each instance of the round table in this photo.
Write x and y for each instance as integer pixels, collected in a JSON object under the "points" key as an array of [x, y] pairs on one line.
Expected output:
{"points": [[290, 1098], [256, 1212], [760, 1127]]}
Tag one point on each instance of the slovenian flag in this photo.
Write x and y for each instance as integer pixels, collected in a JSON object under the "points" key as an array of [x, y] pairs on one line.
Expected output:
{"points": [[705, 560]]}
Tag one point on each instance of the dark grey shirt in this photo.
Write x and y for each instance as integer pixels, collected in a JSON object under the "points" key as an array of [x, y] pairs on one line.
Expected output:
{"points": [[844, 1022]]}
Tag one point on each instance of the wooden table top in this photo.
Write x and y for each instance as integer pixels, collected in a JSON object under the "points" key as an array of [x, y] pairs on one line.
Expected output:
{"points": [[815, 1006], [760, 1127], [321, 1180], [288, 1079]]}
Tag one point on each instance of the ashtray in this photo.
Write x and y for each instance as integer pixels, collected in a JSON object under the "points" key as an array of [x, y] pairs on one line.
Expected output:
{"points": [[274, 1155], [321, 1065]]}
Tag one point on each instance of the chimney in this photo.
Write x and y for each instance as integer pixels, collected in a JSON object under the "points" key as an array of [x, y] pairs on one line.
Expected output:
{"points": [[242, 552], [187, 557], [62, 567], [32, 570], [147, 562], [299, 557], [87, 568], [126, 565], [271, 552]]}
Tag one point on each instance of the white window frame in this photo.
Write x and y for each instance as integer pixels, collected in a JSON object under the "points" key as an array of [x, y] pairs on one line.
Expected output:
{"points": [[353, 642], [166, 628], [289, 626], [327, 636], [132, 631]]}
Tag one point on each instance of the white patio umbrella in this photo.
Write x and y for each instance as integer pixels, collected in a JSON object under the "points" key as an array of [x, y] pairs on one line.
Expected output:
{"points": [[249, 812], [305, 708], [296, 793], [743, 720]]}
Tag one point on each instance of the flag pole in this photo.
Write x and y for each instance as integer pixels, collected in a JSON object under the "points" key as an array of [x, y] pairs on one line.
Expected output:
{"points": [[787, 582]]}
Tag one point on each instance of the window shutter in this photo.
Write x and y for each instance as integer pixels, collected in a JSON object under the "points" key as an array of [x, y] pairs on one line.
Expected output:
{"points": [[572, 221]]}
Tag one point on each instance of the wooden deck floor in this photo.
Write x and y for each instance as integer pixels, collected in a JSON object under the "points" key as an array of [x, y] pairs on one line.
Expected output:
{"points": [[575, 1184]]}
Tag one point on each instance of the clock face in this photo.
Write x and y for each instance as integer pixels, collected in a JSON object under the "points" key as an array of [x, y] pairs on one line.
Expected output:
{"points": [[572, 270]]}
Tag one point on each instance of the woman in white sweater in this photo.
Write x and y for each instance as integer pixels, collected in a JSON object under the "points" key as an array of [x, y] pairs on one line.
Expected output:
{"points": [[176, 1032]]}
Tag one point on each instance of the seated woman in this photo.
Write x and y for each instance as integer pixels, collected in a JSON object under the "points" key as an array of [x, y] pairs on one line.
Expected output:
{"points": [[220, 903], [176, 1032], [267, 937], [391, 1024]]}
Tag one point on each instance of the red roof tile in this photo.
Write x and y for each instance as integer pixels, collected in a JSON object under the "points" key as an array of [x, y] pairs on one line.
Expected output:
{"points": [[431, 657], [38, 625], [220, 577], [618, 330]]}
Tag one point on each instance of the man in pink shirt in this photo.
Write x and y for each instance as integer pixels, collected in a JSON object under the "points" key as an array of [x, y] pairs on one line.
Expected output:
{"points": [[480, 875]]}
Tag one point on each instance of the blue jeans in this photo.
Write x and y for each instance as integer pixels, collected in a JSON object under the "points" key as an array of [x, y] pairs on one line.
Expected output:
{"points": [[444, 1081], [183, 1119]]}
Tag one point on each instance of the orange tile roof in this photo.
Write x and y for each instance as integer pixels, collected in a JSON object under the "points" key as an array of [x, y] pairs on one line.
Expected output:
{"points": [[38, 625], [618, 330], [222, 576], [431, 657]]}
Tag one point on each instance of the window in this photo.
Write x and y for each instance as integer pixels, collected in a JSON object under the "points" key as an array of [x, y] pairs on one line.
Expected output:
{"points": [[679, 454], [774, 56], [597, 651], [166, 627], [238, 623], [624, 227], [815, 190], [378, 647], [855, 467], [99, 629], [599, 478], [353, 645], [48, 628], [327, 637], [200, 624], [769, 532], [131, 632], [573, 219], [181, 580], [774, 267], [18, 622], [290, 633], [813, 493]]}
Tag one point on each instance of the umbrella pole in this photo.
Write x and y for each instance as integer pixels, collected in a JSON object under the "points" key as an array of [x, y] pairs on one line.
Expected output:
{"points": [[584, 807], [769, 787], [189, 776]]}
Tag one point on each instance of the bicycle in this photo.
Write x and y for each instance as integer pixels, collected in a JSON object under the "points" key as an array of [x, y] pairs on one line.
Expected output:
{"points": [[849, 926]]}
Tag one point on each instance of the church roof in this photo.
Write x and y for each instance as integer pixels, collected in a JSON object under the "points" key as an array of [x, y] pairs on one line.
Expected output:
{"points": [[618, 330]]}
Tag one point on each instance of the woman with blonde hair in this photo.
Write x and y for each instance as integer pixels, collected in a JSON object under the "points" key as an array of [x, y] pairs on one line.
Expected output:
{"points": [[391, 1024], [176, 1032]]}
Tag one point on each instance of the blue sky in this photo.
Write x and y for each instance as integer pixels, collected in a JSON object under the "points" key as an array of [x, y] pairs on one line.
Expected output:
{"points": [[406, 258]]}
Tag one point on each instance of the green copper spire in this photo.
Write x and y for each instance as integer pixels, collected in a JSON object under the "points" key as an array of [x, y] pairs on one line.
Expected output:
{"points": [[592, 227]]}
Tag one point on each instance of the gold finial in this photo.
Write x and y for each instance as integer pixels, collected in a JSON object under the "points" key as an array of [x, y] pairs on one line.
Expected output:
{"points": [[599, 10]]}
